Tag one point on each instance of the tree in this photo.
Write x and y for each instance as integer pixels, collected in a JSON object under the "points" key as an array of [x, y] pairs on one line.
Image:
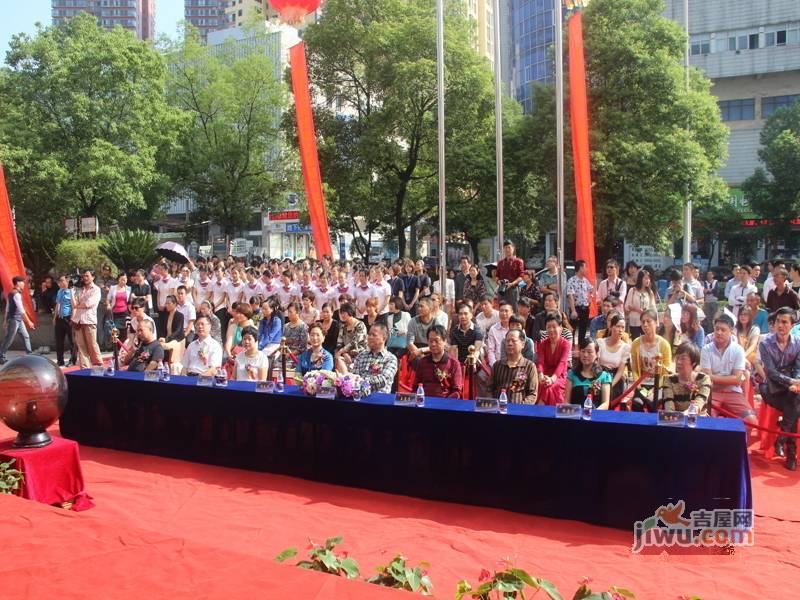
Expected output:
{"points": [[374, 62], [84, 119], [774, 191], [231, 160]]}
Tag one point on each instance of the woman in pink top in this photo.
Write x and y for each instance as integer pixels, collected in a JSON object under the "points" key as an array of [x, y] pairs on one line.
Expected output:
{"points": [[117, 300], [552, 358]]}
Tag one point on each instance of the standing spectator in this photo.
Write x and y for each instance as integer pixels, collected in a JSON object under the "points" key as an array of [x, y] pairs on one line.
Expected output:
{"points": [[460, 280], [709, 301], [410, 287], [579, 297], [17, 319], [117, 301], [690, 284], [509, 272], [48, 295], [496, 335], [141, 289], [769, 283], [640, 298], [631, 275], [187, 309], [781, 293], [84, 319], [449, 294], [613, 283], [733, 280], [737, 297], [473, 288], [549, 279], [491, 283], [61, 321], [529, 288], [425, 287], [164, 285], [794, 274], [104, 282]]}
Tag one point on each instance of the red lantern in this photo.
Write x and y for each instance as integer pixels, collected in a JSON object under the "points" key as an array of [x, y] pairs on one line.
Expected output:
{"points": [[294, 11]]}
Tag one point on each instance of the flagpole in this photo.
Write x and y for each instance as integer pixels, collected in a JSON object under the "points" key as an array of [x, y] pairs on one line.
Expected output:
{"points": [[687, 215], [557, 17], [440, 112], [498, 126]]}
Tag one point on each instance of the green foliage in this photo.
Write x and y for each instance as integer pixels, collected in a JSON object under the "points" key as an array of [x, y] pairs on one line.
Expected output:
{"points": [[377, 59], [130, 248], [510, 583], [10, 479], [398, 575], [231, 159], [38, 242], [84, 122], [774, 191], [83, 254], [323, 558]]}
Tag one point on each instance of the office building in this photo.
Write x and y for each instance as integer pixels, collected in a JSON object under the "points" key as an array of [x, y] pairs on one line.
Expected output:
{"points": [[532, 38], [137, 16], [205, 15]]}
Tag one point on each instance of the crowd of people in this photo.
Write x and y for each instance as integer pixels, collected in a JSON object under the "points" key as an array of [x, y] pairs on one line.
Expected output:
{"points": [[392, 325]]}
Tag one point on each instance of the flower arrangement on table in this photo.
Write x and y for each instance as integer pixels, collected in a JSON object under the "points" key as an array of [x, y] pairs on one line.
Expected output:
{"points": [[351, 385], [313, 381]]}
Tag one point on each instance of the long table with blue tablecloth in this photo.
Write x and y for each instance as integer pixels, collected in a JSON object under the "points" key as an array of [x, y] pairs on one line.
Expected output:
{"points": [[613, 470]]}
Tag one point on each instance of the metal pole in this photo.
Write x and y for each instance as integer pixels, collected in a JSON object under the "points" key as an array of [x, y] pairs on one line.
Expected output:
{"points": [[557, 17], [440, 107], [498, 125], [687, 213]]}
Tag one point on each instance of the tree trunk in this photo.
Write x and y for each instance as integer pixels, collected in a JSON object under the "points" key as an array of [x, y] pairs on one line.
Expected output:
{"points": [[414, 241], [473, 244], [398, 223]]}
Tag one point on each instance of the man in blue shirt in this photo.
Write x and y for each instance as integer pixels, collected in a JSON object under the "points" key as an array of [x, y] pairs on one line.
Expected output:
{"points": [[61, 321]]}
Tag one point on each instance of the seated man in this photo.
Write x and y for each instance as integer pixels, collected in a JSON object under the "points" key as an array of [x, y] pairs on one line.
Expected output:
{"points": [[149, 352], [514, 373], [780, 355], [439, 373], [376, 364], [724, 361], [204, 354]]}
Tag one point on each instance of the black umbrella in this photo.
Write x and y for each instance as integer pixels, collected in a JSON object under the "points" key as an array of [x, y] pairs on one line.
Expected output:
{"points": [[173, 251]]}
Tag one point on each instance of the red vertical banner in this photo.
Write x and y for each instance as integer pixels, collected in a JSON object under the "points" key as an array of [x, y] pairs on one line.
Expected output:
{"points": [[307, 138], [10, 255], [579, 121]]}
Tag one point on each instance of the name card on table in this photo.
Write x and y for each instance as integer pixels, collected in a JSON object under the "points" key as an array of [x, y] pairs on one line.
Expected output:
{"points": [[98, 370], [671, 418], [568, 411], [405, 399], [152, 376], [265, 387], [487, 405], [205, 380], [327, 391]]}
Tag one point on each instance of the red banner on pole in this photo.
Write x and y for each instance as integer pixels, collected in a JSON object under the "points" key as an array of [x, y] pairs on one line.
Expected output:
{"points": [[10, 255], [579, 120], [317, 213]]}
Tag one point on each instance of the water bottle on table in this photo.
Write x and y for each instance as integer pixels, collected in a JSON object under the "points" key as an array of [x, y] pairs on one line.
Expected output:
{"points": [[279, 381], [502, 402], [588, 406], [420, 395], [221, 378], [691, 416]]}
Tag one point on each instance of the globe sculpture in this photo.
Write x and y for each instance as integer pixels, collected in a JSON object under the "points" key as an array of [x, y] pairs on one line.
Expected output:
{"points": [[33, 394]]}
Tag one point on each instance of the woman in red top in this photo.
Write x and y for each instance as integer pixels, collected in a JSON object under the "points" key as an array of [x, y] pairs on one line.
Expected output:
{"points": [[438, 372], [552, 358]]}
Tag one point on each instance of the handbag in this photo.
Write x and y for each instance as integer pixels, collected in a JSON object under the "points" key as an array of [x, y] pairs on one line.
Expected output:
{"points": [[395, 340]]}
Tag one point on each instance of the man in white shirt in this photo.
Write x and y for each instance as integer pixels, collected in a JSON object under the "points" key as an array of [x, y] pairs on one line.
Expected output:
{"points": [[188, 311], [382, 289], [450, 293], [164, 285], [204, 354], [496, 335], [737, 297], [690, 284], [613, 282], [487, 316], [84, 319], [363, 292], [733, 280], [723, 360]]}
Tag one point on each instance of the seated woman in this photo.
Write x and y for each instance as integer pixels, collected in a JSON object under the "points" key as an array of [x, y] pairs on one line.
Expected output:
{"points": [[309, 313], [371, 317], [270, 327], [251, 364], [614, 353], [588, 377], [514, 373], [651, 357], [241, 318], [352, 337], [688, 385], [330, 327], [171, 327], [552, 357], [439, 373], [294, 330], [316, 357]]}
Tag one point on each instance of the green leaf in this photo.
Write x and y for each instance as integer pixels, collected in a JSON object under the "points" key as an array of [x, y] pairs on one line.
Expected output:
{"points": [[329, 560], [286, 554], [350, 567], [550, 589], [413, 577], [331, 542], [524, 576], [623, 592]]}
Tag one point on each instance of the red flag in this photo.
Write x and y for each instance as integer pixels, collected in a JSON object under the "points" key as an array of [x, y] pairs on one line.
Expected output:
{"points": [[579, 119], [10, 255], [308, 151]]}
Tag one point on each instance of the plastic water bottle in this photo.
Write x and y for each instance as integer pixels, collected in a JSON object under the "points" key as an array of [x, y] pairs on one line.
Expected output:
{"points": [[110, 369], [588, 406], [279, 381], [420, 396], [221, 378], [691, 416], [163, 371], [502, 402]]}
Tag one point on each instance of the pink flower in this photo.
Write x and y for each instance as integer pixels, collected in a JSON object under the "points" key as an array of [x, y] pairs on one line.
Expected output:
{"points": [[584, 580], [484, 575]]}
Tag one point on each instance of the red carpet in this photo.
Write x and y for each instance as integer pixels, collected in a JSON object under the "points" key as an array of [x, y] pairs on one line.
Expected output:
{"points": [[165, 528]]}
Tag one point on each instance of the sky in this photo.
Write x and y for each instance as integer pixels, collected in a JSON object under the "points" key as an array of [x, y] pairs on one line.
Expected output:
{"points": [[24, 16]]}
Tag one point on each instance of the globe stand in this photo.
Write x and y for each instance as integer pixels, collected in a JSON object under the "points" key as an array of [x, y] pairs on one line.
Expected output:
{"points": [[39, 439]]}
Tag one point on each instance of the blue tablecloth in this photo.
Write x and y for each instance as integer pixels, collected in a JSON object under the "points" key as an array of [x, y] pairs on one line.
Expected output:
{"points": [[612, 470]]}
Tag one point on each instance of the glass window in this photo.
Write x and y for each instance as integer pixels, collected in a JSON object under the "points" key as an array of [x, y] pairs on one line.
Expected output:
{"points": [[738, 110], [731, 43], [742, 42], [769, 104], [753, 41], [780, 37], [793, 36], [769, 39]]}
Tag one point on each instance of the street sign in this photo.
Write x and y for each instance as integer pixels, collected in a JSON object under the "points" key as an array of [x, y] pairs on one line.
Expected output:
{"points": [[297, 228]]}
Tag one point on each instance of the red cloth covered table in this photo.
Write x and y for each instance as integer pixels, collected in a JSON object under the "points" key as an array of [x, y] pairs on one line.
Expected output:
{"points": [[52, 474]]}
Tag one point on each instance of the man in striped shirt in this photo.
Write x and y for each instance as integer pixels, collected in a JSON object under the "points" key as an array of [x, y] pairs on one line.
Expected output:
{"points": [[515, 374]]}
